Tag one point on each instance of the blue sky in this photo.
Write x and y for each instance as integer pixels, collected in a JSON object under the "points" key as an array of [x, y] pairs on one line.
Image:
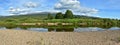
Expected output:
{"points": [[99, 8]]}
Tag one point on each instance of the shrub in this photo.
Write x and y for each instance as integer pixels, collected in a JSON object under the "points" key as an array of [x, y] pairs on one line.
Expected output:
{"points": [[59, 16], [68, 14]]}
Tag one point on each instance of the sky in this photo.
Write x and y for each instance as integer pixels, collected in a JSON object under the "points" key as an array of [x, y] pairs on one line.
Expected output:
{"points": [[97, 8]]}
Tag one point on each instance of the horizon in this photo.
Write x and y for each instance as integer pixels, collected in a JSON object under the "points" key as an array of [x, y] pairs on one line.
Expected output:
{"points": [[99, 8]]}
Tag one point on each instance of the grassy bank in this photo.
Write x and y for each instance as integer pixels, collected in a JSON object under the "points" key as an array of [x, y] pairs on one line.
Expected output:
{"points": [[59, 22]]}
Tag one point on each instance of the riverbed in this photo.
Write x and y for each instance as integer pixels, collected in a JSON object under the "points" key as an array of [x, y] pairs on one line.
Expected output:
{"points": [[25, 37]]}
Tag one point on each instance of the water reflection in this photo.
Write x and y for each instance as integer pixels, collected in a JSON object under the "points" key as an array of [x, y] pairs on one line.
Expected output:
{"points": [[72, 29], [60, 29], [2, 28], [114, 28], [88, 29], [38, 29]]}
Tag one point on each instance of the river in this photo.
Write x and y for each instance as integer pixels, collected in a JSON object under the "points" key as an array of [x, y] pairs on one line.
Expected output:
{"points": [[61, 29]]}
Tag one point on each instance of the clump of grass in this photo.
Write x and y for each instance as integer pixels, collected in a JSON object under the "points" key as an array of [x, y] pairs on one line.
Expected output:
{"points": [[116, 39], [119, 39], [36, 42]]}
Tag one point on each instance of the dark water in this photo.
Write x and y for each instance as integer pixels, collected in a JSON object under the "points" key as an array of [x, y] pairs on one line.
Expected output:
{"points": [[71, 29]]}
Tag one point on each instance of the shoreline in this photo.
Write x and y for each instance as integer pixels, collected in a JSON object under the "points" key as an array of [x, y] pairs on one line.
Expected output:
{"points": [[24, 37]]}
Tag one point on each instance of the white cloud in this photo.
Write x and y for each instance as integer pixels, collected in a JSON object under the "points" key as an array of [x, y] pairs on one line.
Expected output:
{"points": [[46, 11], [75, 6], [67, 4], [31, 4], [26, 8], [86, 11], [15, 11]]}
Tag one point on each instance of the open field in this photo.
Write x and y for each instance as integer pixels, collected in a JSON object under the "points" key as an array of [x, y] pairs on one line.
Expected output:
{"points": [[22, 37]]}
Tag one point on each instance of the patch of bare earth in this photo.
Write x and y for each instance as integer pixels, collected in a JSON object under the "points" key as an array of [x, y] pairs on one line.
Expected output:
{"points": [[15, 37]]}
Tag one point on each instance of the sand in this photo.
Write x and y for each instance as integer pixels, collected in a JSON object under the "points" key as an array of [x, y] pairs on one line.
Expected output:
{"points": [[24, 37]]}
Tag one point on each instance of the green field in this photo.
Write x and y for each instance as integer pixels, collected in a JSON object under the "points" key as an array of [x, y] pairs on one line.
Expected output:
{"points": [[15, 20], [76, 20]]}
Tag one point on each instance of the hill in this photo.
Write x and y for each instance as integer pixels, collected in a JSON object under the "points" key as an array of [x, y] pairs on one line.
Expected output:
{"points": [[43, 15]]}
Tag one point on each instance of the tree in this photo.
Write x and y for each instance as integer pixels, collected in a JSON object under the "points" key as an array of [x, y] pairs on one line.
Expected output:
{"points": [[50, 16], [68, 14], [59, 16]]}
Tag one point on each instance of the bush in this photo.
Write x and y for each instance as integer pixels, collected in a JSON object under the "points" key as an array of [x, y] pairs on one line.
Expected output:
{"points": [[50, 16], [59, 16], [68, 14]]}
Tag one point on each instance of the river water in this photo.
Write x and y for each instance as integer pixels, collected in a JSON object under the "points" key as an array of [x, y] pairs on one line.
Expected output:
{"points": [[72, 29]]}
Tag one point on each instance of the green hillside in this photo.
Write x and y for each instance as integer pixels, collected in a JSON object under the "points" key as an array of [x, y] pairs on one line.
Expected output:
{"points": [[43, 18]]}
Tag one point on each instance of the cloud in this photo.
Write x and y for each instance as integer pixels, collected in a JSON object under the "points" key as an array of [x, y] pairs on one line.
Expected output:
{"points": [[31, 5], [16, 11], [75, 6], [26, 8], [87, 11], [67, 4]]}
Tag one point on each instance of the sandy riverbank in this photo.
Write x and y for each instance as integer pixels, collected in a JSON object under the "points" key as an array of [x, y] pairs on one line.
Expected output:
{"points": [[21, 37]]}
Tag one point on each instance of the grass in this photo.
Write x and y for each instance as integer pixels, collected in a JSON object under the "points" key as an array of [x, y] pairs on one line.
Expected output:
{"points": [[36, 42], [116, 39], [119, 39], [86, 22]]}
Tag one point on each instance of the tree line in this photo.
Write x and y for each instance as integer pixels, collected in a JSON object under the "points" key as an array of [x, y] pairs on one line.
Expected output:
{"points": [[68, 15]]}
